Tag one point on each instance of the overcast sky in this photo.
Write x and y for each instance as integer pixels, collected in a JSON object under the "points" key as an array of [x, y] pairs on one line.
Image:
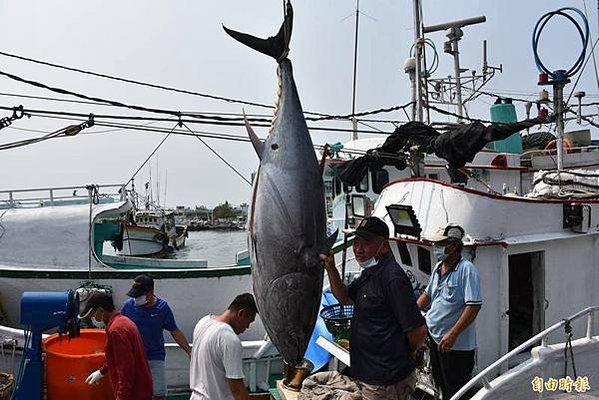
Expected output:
{"points": [[181, 44]]}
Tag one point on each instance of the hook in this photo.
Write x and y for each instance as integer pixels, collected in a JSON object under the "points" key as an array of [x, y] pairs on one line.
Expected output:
{"points": [[17, 112]]}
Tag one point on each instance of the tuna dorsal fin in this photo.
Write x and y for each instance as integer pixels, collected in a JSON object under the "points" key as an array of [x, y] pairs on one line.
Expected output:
{"points": [[277, 47], [256, 142]]}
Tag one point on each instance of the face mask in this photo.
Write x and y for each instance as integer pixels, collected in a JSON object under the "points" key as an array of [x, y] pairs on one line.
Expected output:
{"points": [[96, 323], [439, 252], [141, 300], [371, 262], [368, 263]]}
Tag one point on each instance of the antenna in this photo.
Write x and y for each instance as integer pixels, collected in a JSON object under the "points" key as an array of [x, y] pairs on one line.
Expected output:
{"points": [[353, 108]]}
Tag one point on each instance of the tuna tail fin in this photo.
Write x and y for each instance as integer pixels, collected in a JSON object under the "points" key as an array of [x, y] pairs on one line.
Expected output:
{"points": [[277, 47], [256, 142]]}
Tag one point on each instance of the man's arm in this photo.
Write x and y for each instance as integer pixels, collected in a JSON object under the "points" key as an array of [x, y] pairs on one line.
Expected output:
{"points": [[423, 301], [416, 337], [337, 286], [467, 317], [238, 389], [179, 337]]}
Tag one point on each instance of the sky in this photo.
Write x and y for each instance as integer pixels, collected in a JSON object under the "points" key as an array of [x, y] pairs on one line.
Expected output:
{"points": [[182, 44]]}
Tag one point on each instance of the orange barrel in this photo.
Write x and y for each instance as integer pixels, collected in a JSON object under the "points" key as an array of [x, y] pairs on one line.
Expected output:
{"points": [[69, 363]]}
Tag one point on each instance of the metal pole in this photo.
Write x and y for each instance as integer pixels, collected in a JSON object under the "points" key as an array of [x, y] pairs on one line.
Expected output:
{"points": [[418, 56], [558, 103], [455, 35], [353, 108]]}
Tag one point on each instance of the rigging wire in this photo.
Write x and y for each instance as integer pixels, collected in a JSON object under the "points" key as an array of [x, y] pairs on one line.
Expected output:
{"points": [[220, 157], [219, 121], [136, 82], [229, 114], [321, 116], [151, 154]]}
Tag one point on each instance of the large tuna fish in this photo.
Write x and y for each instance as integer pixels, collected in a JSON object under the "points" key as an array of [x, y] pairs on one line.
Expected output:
{"points": [[287, 224]]}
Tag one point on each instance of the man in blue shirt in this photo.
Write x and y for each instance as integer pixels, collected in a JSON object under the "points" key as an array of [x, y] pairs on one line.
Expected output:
{"points": [[386, 328], [152, 315], [454, 296]]}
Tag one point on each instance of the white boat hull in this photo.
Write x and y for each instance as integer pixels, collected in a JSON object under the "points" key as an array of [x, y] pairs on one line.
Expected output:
{"points": [[191, 293], [143, 242]]}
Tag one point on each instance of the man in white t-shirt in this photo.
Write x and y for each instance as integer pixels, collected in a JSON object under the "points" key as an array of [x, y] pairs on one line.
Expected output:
{"points": [[216, 371]]}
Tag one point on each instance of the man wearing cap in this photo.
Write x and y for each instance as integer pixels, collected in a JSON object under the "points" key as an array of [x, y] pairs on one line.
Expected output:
{"points": [[125, 358], [454, 296], [152, 315], [387, 328]]}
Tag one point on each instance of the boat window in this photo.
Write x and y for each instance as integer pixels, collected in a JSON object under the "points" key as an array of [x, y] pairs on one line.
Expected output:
{"points": [[433, 176], [424, 260], [363, 186], [346, 188], [404, 254], [380, 177], [336, 187]]}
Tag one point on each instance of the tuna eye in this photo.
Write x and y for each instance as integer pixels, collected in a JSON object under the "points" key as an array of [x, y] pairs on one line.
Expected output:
{"points": [[274, 146]]}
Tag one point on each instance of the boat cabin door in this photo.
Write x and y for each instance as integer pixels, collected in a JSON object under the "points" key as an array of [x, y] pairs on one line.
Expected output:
{"points": [[526, 313]]}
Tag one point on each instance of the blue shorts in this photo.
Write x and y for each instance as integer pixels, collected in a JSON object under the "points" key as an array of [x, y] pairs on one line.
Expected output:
{"points": [[158, 370]]}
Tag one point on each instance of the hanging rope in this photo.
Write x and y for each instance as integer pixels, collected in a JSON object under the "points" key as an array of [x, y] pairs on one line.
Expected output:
{"points": [[568, 331]]}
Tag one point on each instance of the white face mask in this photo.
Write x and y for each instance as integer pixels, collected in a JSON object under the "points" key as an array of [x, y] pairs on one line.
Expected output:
{"points": [[98, 324], [141, 300], [439, 252], [371, 262]]}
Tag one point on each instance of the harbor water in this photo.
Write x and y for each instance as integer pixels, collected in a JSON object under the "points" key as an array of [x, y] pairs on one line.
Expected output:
{"points": [[218, 247]]}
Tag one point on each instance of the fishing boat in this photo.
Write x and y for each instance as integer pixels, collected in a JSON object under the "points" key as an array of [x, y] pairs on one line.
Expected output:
{"points": [[151, 233]]}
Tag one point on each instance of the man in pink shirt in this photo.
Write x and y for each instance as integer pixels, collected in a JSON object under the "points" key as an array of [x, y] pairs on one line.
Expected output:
{"points": [[125, 357]]}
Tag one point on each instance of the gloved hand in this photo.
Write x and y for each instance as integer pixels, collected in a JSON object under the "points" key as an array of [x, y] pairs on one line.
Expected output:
{"points": [[94, 378]]}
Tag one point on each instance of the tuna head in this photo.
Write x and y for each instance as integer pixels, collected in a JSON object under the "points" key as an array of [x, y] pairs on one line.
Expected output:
{"points": [[287, 226]]}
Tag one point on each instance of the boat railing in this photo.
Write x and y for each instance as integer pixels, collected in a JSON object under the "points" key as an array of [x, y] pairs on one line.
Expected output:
{"points": [[542, 336], [60, 195]]}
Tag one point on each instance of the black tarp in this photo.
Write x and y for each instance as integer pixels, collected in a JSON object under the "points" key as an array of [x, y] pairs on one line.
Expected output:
{"points": [[458, 146]]}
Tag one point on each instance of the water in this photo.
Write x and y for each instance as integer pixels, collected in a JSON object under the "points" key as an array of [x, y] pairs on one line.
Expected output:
{"points": [[218, 247]]}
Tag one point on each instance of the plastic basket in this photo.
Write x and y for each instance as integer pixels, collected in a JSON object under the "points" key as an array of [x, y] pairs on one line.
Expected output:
{"points": [[337, 319]]}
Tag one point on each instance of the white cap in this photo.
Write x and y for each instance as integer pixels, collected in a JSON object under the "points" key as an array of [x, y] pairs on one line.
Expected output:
{"points": [[449, 231]]}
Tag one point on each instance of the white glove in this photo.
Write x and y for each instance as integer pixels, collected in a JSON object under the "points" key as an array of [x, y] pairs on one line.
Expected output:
{"points": [[94, 378]]}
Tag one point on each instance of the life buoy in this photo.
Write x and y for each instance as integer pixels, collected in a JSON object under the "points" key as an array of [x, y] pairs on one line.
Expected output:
{"points": [[567, 145]]}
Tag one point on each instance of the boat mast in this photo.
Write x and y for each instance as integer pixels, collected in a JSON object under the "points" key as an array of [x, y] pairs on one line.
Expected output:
{"points": [[455, 34], [353, 109], [418, 41]]}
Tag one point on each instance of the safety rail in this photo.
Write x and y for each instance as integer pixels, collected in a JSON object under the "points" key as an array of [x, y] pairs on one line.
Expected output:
{"points": [[542, 336], [36, 197]]}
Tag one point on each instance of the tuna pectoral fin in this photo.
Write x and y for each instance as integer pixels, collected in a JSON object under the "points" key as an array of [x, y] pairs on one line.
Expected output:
{"points": [[277, 47], [258, 144], [328, 245]]}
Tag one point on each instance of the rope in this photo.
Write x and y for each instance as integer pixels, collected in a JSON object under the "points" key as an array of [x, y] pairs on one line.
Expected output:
{"points": [[568, 331], [151, 154], [135, 82], [220, 157], [561, 75]]}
